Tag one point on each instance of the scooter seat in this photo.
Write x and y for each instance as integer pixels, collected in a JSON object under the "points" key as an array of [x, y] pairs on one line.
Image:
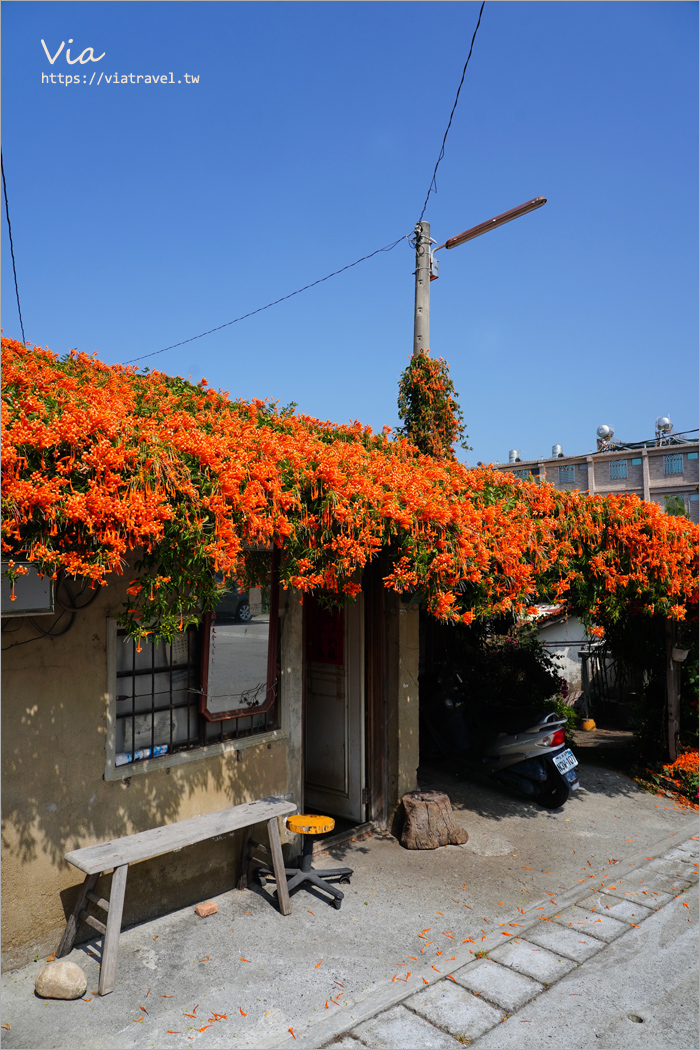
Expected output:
{"points": [[513, 719]]}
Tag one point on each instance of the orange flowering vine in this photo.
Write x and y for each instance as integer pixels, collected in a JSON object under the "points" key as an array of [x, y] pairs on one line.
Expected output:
{"points": [[100, 461]]}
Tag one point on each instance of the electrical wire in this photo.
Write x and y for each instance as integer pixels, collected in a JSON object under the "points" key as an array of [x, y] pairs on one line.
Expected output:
{"points": [[433, 184], [12, 248], [251, 313]]}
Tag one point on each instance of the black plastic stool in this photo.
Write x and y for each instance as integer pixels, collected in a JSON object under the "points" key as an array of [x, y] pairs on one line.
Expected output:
{"points": [[311, 827]]}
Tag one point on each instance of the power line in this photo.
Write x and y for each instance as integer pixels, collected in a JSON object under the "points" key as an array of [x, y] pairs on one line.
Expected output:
{"points": [[12, 248], [386, 248], [433, 184]]}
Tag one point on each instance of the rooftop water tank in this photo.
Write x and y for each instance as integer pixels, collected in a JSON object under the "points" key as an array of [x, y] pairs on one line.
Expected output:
{"points": [[664, 425], [605, 432], [557, 451], [514, 455]]}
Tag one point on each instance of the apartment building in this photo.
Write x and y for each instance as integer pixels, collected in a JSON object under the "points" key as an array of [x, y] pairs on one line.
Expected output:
{"points": [[656, 469]]}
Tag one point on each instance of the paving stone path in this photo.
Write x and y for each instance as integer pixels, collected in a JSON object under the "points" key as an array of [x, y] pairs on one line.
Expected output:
{"points": [[461, 1006]]}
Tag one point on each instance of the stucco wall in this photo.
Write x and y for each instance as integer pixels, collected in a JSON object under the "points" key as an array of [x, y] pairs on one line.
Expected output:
{"points": [[54, 796], [564, 639]]}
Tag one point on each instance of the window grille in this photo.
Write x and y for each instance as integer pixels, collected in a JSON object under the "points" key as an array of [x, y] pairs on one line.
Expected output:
{"points": [[157, 707], [566, 473], [673, 464], [214, 683], [618, 469], [637, 461], [692, 455]]}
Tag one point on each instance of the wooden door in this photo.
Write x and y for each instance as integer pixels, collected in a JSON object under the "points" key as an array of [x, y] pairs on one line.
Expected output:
{"points": [[335, 711]]}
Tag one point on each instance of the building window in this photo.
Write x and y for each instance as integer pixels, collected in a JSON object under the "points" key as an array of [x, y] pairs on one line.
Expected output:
{"points": [[693, 497], [673, 464], [157, 697], [522, 474], [637, 461], [618, 469], [212, 684], [583, 466], [692, 455], [566, 474]]}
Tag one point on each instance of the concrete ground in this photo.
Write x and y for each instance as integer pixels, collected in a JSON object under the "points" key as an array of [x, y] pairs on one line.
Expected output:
{"points": [[246, 976]]}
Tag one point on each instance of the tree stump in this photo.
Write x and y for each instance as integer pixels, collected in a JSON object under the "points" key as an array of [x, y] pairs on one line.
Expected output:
{"points": [[429, 821]]}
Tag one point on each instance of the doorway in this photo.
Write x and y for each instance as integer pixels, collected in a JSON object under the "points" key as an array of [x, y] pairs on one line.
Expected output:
{"points": [[335, 711]]}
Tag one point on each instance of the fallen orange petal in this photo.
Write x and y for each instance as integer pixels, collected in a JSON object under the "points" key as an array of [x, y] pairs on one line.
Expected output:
{"points": [[245, 960], [292, 1031], [243, 1013], [318, 964], [426, 981]]}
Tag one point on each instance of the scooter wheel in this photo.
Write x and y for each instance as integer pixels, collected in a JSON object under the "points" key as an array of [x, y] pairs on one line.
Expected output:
{"points": [[554, 793]]}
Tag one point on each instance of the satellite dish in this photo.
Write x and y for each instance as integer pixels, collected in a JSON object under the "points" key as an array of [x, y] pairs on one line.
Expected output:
{"points": [[664, 425], [605, 432]]}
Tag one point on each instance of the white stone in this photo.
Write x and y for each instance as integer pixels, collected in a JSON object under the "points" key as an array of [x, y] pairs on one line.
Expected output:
{"points": [[499, 984], [564, 941], [532, 961], [463, 1015], [61, 980], [400, 1027], [596, 923]]}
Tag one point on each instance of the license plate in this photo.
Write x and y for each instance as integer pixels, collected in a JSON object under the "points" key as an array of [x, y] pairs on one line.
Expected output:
{"points": [[565, 761]]}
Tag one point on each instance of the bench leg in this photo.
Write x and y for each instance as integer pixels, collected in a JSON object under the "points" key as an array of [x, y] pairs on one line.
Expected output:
{"points": [[110, 944], [71, 930], [244, 860], [278, 866]]}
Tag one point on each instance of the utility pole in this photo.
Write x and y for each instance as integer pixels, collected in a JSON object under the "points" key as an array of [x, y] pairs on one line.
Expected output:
{"points": [[421, 314], [426, 265]]}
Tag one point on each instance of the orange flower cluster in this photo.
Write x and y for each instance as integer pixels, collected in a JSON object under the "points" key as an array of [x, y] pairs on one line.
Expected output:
{"points": [[686, 763], [99, 461]]}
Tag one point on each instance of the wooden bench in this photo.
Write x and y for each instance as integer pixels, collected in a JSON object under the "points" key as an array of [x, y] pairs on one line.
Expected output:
{"points": [[120, 853]]}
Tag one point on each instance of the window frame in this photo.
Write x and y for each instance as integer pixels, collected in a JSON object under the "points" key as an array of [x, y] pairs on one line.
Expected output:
{"points": [[673, 458], [204, 750], [272, 657], [570, 470], [618, 465]]}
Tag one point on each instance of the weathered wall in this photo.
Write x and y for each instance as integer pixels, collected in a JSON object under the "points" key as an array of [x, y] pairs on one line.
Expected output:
{"points": [[54, 797], [563, 640]]}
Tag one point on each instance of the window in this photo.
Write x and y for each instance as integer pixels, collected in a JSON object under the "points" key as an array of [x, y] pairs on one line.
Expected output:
{"points": [[693, 497], [618, 469], [212, 684], [157, 701], [583, 466], [673, 464], [637, 461], [522, 474], [566, 474], [692, 455]]}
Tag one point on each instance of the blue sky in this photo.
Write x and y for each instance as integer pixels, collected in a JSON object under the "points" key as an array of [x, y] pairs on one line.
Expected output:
{"points": [[145, 214]]}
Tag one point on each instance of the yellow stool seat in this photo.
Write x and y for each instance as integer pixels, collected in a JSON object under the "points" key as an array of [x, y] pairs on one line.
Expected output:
{"points": [[308, 824]]}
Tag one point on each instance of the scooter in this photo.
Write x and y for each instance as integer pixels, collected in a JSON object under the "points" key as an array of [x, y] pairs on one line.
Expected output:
{"points": [[522, 749]]}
